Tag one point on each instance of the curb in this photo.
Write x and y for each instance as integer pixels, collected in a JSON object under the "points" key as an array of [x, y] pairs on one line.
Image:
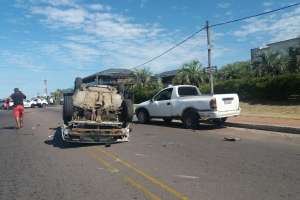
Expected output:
{"points": [[290, 130]]}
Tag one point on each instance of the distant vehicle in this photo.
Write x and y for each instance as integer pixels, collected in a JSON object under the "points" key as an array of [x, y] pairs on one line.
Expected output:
{"points": [[38, 102], [7, 104], [185, 102], [27, 104]]}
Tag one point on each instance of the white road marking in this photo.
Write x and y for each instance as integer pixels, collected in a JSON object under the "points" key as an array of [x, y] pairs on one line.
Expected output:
{"points": [[187, 177]]}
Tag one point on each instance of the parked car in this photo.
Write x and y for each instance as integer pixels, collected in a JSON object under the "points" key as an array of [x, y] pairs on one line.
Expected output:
{"points": [[38, 102], [185, 102], [27, 104]]}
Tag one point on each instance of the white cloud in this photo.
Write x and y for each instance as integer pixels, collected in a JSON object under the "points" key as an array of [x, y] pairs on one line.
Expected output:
{"points": [[56, 16], [99, 7], [277, 26], [223, 5], [114, 40], [267, 3]]}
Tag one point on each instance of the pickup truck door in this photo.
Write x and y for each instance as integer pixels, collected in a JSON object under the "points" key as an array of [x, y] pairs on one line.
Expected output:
{"points": [[161, 105]]}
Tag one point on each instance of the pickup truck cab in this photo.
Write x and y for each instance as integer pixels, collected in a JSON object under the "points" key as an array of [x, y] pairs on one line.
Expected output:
{"points": [[185, 102]]}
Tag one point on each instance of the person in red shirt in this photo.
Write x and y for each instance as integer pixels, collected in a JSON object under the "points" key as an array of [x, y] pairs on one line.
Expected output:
{"points": [[18, 109]]}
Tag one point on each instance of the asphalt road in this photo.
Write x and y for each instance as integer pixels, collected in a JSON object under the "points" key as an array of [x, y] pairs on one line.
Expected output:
{"points": [[160, 162]]}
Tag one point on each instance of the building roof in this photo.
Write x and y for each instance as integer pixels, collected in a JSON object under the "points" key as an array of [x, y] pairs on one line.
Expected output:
{"points": [[167, 73], [112, 72], [283, 41]]}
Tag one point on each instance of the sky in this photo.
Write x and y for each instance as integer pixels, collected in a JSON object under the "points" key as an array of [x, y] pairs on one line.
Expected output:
{"points": [[58, 40]]}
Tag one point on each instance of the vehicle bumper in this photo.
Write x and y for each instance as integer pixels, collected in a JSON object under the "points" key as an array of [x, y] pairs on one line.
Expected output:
{"points": [[219, 114], [100, 137]]}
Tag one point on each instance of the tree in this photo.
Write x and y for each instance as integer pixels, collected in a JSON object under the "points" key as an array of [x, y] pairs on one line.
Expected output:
{"points": [[144, 85], [57, 95], [191, 73], [294, 59], [235, 70], [272, 63], [142, 76]]}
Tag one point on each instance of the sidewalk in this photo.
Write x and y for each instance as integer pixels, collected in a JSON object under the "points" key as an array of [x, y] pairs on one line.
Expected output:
{"points": [[265, 123]]}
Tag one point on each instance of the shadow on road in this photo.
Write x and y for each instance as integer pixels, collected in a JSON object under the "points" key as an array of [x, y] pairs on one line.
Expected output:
{"points": [[175, 124], [8, 128], [58, 142]]}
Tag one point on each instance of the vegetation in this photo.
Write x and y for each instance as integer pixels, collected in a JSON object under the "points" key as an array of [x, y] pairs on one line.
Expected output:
{"points": [[275, 77], [191, 73], [144, 85]]}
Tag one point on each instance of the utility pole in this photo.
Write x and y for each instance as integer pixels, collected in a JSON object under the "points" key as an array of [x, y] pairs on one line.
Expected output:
{"points": [[45, 88], [211, 78]]}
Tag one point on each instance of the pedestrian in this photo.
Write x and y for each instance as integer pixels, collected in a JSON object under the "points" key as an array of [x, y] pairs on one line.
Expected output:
{"points": [[18, 109]]}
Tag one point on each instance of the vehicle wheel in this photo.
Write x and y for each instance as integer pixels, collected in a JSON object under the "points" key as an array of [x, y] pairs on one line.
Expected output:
{"points": [[167, 119], [32, 106], [219, 121], [77, 84], [127, 112], [143, 116], [190, 120], [68, 108]]}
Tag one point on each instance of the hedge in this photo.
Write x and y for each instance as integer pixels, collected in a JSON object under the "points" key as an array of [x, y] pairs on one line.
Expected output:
{"points": [[266, 88]]}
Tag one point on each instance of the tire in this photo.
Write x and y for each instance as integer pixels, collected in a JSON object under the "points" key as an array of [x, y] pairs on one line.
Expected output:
{"points": [[219, 121], [143, 116], [127, 112], [78, 83], [68, 108], [167, 119], [190, 120]]}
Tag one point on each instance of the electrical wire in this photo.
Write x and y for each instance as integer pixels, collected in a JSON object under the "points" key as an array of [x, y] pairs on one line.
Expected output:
{"points": [[170, 49], [213, 25], [256, 15]]}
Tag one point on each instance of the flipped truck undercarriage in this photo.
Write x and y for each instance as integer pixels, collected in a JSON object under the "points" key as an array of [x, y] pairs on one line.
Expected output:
{"points": [[96, 114]]}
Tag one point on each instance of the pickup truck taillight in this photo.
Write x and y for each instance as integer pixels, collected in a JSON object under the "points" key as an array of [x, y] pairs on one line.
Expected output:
{"points": [[213, 104]]}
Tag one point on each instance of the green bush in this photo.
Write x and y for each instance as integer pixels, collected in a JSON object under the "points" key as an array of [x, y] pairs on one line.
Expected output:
{"points": [[264, 88]]}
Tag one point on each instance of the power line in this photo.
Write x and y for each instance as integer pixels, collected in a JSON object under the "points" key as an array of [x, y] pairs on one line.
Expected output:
{"points": [[256, 15], [214, 25], [170, 49]]}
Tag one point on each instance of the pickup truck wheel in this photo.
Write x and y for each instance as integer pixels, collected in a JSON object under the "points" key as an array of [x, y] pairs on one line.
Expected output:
{"points": [[167, 119], [190, 120], [68, 108], [143, 116]]}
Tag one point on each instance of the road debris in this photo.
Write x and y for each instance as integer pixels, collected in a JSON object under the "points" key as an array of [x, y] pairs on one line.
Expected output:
{"points": [[231, 139]]}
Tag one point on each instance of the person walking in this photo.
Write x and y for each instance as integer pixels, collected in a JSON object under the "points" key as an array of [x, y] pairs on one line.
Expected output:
{"points": [[18, 108]]}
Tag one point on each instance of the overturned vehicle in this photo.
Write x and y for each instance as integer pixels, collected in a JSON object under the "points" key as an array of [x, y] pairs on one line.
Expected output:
{"points": [[96, 114]]}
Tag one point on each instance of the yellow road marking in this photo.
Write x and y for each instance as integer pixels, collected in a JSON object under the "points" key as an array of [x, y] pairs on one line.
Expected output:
{"points": [[146, 176], [128, 179], [103, 162], [136, 184]]}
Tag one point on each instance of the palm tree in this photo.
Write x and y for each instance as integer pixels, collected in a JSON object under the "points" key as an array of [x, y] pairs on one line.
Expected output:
{"points": [[142, 77], [272, 63], [191, 73]]}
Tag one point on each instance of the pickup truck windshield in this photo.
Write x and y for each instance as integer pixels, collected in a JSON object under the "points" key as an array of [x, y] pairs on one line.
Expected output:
{"points": [[188, 91]]}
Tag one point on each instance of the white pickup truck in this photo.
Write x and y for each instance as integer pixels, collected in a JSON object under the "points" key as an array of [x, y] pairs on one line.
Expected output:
{"points": [[185, 102]]}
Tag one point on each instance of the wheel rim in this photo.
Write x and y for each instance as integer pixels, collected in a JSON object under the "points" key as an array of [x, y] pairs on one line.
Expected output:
{"points": [[141, 117], [188, 122]]}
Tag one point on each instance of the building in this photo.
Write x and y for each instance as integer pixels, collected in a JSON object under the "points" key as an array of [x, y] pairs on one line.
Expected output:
{"points": [[281, 47], [167, 77], [109, 76]]}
